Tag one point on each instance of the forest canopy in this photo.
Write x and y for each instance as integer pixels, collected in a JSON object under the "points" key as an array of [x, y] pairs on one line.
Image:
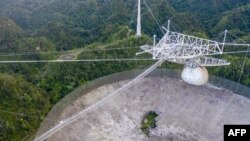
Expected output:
{"points": [[48, 29]]}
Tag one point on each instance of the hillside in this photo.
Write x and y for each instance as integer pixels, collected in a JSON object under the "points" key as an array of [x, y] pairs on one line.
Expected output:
{"points": [[77, 23], [19, 96], [50, 29], [9, 31], [238, 20]]}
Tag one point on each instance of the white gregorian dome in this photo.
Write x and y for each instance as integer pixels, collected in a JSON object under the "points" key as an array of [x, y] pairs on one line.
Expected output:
{"points": [[195, 76]]}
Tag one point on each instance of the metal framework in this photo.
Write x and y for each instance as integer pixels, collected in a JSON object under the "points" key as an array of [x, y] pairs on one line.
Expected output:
{"points": [[188, 50], [185, 49]]}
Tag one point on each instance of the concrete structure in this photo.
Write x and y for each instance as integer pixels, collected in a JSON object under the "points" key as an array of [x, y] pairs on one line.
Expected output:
{"points": [[186, 112]]}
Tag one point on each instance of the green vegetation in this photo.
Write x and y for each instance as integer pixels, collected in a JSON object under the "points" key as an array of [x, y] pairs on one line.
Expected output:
{"points": [[17, 95], [233, 71], [148, 122], [48, 26]]}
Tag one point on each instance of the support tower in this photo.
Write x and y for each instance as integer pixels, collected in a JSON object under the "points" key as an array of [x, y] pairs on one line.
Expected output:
{"points": [[138, 29]]}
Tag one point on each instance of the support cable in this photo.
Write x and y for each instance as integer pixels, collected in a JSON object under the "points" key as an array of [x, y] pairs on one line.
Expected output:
{"points": [[26, 115], [244, 62], [97, 104], [44, 53], [242, 69], [83, 60], [150, 11]]}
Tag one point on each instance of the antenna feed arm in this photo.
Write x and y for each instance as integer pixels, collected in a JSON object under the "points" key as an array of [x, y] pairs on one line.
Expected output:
{"points": [[165, 28], [139, 53]]}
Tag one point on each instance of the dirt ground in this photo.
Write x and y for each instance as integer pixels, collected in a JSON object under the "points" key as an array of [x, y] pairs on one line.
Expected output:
{"points": [[186, 113]]}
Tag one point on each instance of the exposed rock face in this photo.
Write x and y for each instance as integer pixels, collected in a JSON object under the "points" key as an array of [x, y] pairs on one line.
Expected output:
{"points": [[195, 76], [186, 112]]}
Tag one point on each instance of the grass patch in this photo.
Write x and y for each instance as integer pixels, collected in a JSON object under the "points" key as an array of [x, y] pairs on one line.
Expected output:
{"points": [[148, 122]]}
